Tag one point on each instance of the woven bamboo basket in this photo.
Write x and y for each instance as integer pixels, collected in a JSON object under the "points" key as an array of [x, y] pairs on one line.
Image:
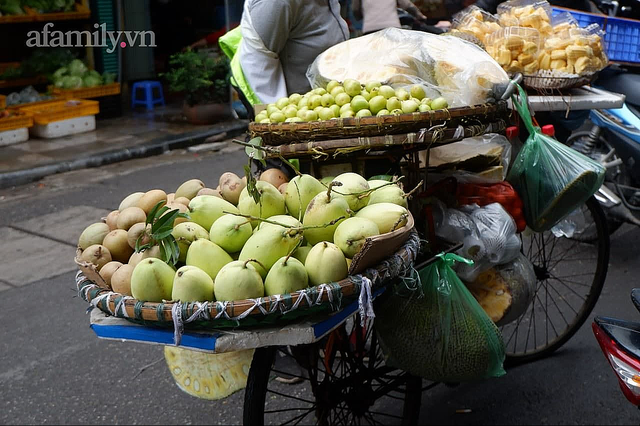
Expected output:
{"points": [[557, 83], [401, 248], [341, 128]]}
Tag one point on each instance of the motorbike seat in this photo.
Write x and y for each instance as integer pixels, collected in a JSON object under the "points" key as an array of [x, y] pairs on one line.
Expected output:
{"points": [[626, 83]]}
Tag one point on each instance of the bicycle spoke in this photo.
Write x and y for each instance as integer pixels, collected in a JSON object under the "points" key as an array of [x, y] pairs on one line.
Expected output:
{"points": [[290, 396], [282, 410]]}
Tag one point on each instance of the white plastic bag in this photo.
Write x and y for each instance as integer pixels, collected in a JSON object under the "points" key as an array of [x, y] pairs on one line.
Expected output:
{"points": [[461, 72]]}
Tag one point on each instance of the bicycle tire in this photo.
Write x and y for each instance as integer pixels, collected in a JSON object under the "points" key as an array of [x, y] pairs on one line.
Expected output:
{"points": [[544, 276], [262, 368]]}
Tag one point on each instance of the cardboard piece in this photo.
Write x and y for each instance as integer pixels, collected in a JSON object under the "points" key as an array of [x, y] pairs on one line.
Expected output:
{"points": [[90, 272], [376, 249], [472, 158]]}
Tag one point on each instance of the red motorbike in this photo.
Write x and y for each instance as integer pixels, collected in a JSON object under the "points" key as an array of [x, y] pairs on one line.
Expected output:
{"points": [[620, 342]]}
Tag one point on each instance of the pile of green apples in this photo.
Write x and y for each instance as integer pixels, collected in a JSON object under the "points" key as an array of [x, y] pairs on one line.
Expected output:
{"points": [[280, 237], [349, 99]]}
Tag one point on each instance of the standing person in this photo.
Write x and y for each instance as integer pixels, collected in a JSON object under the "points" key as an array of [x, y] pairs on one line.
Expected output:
{"points": [[281, 38], [379, 14]]}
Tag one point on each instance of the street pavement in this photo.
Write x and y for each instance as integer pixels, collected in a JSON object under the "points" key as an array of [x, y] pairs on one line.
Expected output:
{"points": [[54, 370]]}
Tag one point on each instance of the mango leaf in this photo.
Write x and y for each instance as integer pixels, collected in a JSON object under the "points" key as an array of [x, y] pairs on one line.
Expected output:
{"points": [[255, 153], [164, 221], [153, 213], [252, 189]]}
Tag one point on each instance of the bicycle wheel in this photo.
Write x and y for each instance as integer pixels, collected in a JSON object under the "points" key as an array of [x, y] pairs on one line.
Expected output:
{"points": [[335, 381], [570, 274]]}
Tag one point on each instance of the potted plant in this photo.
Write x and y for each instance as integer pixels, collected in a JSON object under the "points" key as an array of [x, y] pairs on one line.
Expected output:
{"points": [[204, 81]]}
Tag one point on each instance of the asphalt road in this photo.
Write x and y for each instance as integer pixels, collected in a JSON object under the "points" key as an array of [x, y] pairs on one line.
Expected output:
{"points": [[53, 369]]}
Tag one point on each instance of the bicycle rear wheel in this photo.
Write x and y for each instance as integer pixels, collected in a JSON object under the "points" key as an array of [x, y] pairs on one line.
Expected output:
{"points": [[570, 274], [340, 380]]}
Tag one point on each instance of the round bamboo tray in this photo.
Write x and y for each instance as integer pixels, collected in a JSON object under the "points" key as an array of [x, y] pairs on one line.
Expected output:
{"points": [[557, 83], [340, 128], [249, 312]]}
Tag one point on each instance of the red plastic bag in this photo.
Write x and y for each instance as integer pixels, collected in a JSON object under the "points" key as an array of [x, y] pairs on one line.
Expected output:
{"points": [[502, 193]]}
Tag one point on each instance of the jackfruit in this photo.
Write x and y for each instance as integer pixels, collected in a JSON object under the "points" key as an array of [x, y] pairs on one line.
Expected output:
{"points": [[441, 335], [206, 375]]}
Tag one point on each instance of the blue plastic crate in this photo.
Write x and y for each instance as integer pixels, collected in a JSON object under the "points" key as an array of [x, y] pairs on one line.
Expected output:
{"points": [[622, 36]]}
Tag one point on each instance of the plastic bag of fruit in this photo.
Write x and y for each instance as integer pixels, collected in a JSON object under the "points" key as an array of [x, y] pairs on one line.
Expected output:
{"points": [[431, 326], [551, 178], [447, 66]]}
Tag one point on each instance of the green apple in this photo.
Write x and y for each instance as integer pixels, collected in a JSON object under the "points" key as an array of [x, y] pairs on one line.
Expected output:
{"points": [[293, 120], [377, 103], [327, 100], [365, 95], [426, 101], [386, 91], [294, 98], [336, 110], [303, 101], [345, 107], [402, 94], [352, 87], [302, 112], [261, 116], [271, 108], [363, 113], [282, 102], [369, 85], [393, 103], [409, 106], [383, 112], [338, 89], [319, 91], [331, 85], [417, 91], [359, 102], [347, 114], [342, 99], [396, 111], [424, 108], [439, 103], [277, 117], [290, 111], [265, 121], [325, 114], [311, 116], [318, 109], [314, 101]]}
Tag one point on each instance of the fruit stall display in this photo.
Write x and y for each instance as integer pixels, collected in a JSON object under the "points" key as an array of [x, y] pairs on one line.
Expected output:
{"points": [[264, 259], [14, 126]]}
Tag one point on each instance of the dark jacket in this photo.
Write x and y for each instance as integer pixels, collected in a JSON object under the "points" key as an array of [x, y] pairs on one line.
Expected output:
{"points": [[490, 6]]}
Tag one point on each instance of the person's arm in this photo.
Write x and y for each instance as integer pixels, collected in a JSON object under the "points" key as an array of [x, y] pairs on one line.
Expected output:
{"points": [[411, 8]]}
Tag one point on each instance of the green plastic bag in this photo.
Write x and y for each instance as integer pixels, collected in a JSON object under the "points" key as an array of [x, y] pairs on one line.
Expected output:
{"points": [[435, 329], [551, 178]]}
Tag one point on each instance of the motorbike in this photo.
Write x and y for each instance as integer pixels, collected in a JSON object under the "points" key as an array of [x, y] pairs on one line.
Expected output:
{"points": [[620, 343], [612, 136]]}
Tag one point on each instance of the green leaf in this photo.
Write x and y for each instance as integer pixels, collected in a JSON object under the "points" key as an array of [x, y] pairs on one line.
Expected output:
{"points": [[256, 154], [164, 221], [252, 189], [152, 214], [166, 251], [163, 234]]}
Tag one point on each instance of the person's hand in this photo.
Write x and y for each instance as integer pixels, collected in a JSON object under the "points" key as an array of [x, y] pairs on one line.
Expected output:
{"points": [[445, 25]]}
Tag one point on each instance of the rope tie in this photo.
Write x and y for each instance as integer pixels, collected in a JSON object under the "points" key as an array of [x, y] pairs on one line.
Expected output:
{"points": [[178, 325], [365, 300]]}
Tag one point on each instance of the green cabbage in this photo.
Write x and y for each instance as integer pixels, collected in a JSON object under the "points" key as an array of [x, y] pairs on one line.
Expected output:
{"points": [[91, 81], [71, 82], [77, 68], [59, 73], [108, 77]]}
